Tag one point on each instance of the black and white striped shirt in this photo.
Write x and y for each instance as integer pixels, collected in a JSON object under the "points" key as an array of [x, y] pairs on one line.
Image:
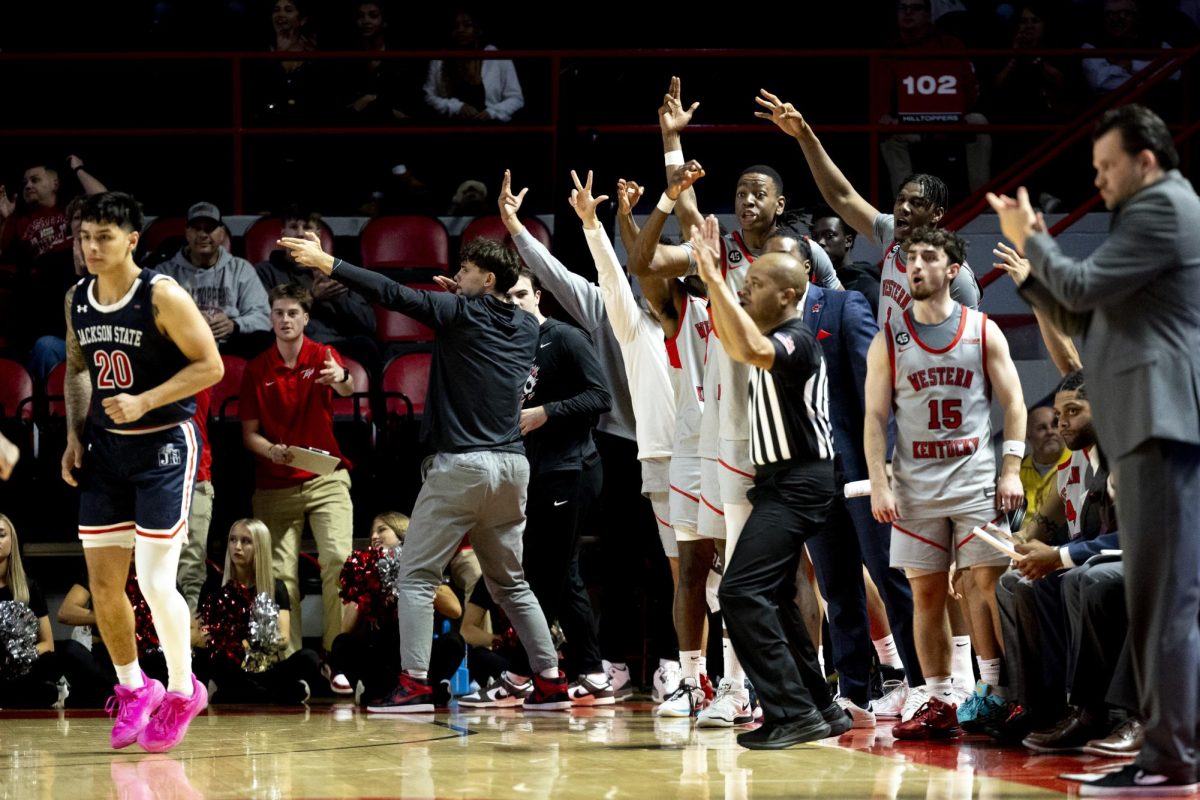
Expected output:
{"points": [[789, 404]]}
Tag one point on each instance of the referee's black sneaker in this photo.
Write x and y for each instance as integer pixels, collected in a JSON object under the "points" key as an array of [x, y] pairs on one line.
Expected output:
{"points": [[1134, 781], [778, 735]]}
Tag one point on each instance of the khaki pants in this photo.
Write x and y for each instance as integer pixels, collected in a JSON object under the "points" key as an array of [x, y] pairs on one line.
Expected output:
{"points": [[325, 502], [192, 569]]}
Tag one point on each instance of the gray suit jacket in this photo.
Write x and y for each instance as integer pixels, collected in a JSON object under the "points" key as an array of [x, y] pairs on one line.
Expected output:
{"points": [[1136, 301]]}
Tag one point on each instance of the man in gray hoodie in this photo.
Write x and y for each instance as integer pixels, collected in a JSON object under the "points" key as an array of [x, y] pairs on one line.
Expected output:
{"points": [[226, 288]]}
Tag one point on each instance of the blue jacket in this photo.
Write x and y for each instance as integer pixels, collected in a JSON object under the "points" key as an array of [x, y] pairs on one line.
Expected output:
{"points": [[844, 326]]}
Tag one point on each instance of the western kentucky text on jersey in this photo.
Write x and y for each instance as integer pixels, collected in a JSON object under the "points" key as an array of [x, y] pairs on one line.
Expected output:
{"points": [[941, 376], [109, 333], [954, 448], [896, 291]]}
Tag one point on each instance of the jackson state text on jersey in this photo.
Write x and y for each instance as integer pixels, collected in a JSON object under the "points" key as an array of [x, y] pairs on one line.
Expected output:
{"points": [[125, 351]]}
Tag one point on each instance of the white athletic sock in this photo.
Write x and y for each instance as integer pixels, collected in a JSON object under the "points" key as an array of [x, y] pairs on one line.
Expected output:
{"points": [[691, 662], [419, 674], [938, 686], [597, 677], [960, 661], [515, 679], [989, 671], [733, 667], [550, 673], [130, 675], [885, 648], [157, 566]]}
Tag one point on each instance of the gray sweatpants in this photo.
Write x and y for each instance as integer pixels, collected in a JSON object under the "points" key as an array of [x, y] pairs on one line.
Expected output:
{"points": [[482, 493]]}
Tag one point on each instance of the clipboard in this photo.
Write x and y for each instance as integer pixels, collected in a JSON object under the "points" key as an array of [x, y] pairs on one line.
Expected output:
{"points": [[310, 459]]}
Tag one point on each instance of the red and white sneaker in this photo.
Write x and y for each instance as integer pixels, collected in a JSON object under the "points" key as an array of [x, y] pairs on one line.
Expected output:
{"points": [[549, 694], [170, 722], [411, 696], [933, 720]]}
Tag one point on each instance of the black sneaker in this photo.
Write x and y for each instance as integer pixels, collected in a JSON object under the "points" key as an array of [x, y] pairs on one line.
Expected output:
{"points": [[837, 718], [1134, 781], [778, 735], [549, 694], [412, 696]]}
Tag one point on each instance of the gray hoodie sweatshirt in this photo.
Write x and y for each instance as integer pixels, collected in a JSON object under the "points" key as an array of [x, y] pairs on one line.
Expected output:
{"points": [[232, 285]]}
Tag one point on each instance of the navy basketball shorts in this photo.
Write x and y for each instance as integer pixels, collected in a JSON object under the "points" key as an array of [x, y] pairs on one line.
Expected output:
{"points": [[137, 484]]}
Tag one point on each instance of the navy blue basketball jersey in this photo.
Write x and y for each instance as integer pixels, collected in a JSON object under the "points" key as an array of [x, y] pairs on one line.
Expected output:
{"points": [[126, 352]]}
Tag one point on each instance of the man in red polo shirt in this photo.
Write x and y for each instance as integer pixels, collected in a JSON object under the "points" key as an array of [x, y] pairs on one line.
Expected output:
{"points": [[286, 400]]}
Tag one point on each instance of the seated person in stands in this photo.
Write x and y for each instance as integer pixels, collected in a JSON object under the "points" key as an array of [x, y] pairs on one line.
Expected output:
{"points": [[287, 681], [1122, 26], [1040, 646], [286, 401], [382, 89], [1044, 453], [368, 650], [927, 89], [473, 89], [50, 349], [85, 660], [338, 317], [34, 685], [226, 288]]}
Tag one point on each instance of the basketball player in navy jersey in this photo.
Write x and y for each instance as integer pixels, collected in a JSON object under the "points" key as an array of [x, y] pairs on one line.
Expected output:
{"points": [[138, 350], [936, 367]]}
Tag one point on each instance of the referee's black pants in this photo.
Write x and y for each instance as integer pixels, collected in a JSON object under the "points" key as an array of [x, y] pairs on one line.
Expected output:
{"points": [[758, 590]]}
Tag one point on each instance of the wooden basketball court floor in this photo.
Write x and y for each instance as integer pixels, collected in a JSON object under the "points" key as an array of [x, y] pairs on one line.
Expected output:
{"points": [[622, 751]]}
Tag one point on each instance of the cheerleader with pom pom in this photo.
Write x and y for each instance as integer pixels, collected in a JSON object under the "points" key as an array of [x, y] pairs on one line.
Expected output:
{"points": [[368, 650], [240, 631], [29, 671]]}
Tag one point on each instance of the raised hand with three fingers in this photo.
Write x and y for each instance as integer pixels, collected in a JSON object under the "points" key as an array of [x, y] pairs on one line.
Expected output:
{"points": [[583, 202]]}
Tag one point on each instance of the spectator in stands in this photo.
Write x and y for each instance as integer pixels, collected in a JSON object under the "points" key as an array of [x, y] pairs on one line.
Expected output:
{"points": [[368, 649], [288, 680], [288, 90], [226, 288], [286, 401], [51, 348], [473, 89], [1121, 26], [42, 228], [469, 200], [193, 558], [37, 688], [831, 232], [383, 89], [339, 317], [1035, 88], [929, 89], [1046, 451], [39, 240]]}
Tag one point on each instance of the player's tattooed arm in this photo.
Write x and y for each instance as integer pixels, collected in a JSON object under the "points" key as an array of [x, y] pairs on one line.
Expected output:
{"points": [[77, 395]]}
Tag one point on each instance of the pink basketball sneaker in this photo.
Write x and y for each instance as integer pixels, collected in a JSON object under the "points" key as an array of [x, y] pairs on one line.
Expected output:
{"points": [[170, 722], [134, 708]]}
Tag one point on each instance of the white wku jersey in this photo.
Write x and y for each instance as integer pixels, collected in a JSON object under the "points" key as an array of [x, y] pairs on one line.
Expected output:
{"points": [[894, 298], [942, 399], [733, 394], [685, 354], [1074, 475]]}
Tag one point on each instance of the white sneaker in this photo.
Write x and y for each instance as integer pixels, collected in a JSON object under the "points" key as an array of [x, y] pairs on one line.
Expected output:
{"points": [[585, 692], [916, 698], [958, 694], [340, 684], [891, 704], [501, 693], [685, 701], [859, 717], [730, 707], [666, 680], [620, 679]]}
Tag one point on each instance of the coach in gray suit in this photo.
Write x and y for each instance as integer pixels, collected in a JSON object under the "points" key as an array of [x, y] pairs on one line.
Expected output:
{"points": [[1136, 302]]}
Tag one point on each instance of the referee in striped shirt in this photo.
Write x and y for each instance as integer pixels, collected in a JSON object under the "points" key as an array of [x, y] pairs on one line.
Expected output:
{"points": [[791, 444]]}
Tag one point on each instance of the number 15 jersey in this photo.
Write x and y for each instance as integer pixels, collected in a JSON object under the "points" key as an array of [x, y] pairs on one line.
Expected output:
{"points": [[126, 353], [942, 398]]}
